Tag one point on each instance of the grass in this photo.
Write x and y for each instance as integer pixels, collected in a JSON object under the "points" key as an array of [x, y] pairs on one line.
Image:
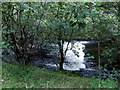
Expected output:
{"points": [[19, 76]]}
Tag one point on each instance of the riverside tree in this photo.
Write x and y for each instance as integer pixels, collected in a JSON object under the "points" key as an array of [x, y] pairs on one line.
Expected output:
{"points": [[28, 26]]}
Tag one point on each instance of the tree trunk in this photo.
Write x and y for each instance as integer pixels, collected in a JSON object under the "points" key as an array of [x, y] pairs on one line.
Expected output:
{"points": [[61, 54]]}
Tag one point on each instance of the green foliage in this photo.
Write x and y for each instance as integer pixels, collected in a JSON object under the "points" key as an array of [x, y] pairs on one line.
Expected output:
{"points": [[110, 54], [19, 76], [89, 57], [26, 22]]}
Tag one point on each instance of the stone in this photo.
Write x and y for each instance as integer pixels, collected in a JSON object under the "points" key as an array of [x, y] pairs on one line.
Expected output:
{"points": [[8, 55], [92, 73]]}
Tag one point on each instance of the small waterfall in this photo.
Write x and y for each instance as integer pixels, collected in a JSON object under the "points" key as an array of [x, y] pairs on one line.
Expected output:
{"points": [[74, 57]]}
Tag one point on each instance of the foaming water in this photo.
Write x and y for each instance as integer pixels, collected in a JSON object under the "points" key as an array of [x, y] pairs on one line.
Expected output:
{"points": [[74, 56]]}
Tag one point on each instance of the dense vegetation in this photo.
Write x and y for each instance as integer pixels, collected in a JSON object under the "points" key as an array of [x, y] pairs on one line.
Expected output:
{"points": [[17, 76], [28, 27]]}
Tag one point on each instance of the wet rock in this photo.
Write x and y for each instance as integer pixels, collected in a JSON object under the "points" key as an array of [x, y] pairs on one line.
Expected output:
{"points": [[8, 55], [90, 64], [45, 63], [92, 73], [116, 77]]}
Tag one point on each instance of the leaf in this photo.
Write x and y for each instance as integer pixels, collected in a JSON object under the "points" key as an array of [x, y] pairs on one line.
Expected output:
{"points": [[12, 31], [85, 1], [4, 31], [4, 42], [22, 6]]}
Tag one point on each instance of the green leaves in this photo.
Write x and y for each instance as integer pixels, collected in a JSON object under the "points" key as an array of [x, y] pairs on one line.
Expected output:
{"points": [[22, 6], [89, 57], [41, 20], [8, 31], [4, 31], [5, 44], [85, 1]]}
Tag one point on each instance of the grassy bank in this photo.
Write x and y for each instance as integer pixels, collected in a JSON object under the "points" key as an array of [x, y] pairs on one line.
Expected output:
{"points": [[18, 76]]}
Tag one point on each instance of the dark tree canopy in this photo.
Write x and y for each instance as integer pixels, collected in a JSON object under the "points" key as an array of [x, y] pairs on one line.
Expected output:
{"points": [[28, 26]]}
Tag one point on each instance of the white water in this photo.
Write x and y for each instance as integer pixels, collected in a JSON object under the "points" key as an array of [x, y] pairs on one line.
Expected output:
{"points": [[74, 57]]}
